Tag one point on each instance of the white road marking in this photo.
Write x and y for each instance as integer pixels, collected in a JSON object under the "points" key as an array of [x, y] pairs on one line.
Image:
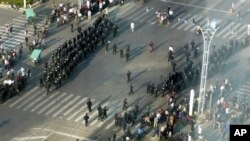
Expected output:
{"points": [[44, 101], [29, 138], [24, 96], [233, 29], [59, 104], [75, 106], [66, 106], [51, 103]]}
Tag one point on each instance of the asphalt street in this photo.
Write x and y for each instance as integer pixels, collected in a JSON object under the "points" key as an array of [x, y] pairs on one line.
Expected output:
{"points": [[35, 116]]}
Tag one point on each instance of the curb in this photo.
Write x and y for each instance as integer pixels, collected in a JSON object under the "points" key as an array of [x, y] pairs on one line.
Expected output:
{"points": [[21, 9]]}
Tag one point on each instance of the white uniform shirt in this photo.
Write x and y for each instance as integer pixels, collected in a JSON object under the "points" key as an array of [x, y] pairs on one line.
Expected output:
{"points": [[89, 13], [132, 25]]}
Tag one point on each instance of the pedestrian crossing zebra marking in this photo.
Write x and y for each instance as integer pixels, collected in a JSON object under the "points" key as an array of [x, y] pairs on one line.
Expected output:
{"points": [[23, 97], [28, 100], [232, 30], [75, 106], [185, 22], [51, 103], [35, 101], [226, 29], [59, 104], [43, 102], [66, 106], [191, 24], [180, 21]]}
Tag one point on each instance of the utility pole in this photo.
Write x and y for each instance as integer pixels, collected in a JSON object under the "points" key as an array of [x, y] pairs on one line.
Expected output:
{"points": [[208, 32]]}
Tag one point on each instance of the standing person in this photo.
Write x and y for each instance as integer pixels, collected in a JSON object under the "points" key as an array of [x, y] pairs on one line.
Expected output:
{"points": [[99, 112], [131, 89], [48, 87], [192, 44], [114, 49], [86, 119], [105, 110], [89, 15], [20, 50], [41, 82], [132, 26], [72, 27], [89, 104], [128, 76], [127, 56], [125, 104], [35, 28], [173, 65], [121, 53]]}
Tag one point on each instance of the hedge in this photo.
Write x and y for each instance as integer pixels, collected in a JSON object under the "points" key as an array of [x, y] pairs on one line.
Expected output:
{"points": [[17, 2]]}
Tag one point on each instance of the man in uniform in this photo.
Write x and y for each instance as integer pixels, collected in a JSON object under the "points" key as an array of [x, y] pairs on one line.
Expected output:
{"points": [[128, 76], [89, 104], [121, 53], [131, 89], [114, 48], [86, 119], [99, 112], [125, 104]]}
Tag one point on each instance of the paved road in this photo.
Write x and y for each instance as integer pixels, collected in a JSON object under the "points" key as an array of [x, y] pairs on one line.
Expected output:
{"points": [[105, 74]]}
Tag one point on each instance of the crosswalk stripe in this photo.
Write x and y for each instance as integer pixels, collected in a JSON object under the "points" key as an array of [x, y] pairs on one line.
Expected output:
{"points": [[59, 104], [241, 31], [81, 116], [191, 23], [139, 13], [66, 106], [26, 101], [148, 18], [19, 20], [110, 125], [51, 103], [181, 21], [24, 96], [145, 15], [80, 110], [43, 102], [136, 127], [226, 28], [185, 23], [128, 8], [233, 29], [201, 23], [35, 101], [244, 34], [75, 106]]}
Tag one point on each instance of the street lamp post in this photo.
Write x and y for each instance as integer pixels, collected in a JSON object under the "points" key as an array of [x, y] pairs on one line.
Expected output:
{"points": [[208, 32]]}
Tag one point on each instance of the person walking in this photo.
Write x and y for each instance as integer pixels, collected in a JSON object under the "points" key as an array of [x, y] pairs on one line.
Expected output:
{"points": [[86, 119], [89, 104], [72, 27], [105, 110], [128, 76], [125, 104], [20, 50], [132, 26], [114, 48], [100, 112], [131, 89], [121, 53], [89, 15]]}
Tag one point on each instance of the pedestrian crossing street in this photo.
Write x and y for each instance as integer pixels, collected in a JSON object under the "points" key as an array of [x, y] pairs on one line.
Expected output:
{"points": [[140, 15], [65, 106], [243, 94], [17, 36]]}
